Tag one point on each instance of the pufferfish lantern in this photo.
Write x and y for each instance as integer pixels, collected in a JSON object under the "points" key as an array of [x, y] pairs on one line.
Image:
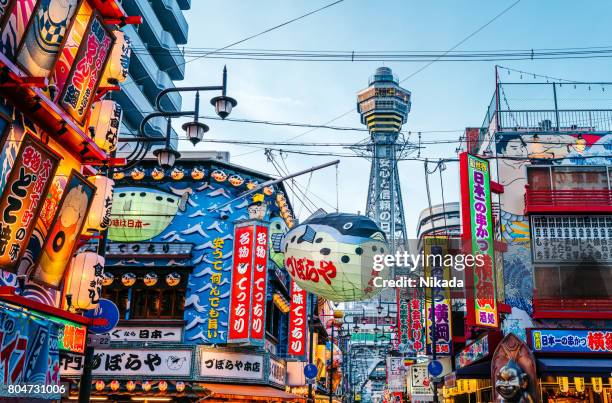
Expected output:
{"points": [[107, 279], [128, 279], [137, 174], [197, 174], [235, 180], [173, 279], [219, 175], [342, 247], [177, 174], [158, 174], [150, 279]]}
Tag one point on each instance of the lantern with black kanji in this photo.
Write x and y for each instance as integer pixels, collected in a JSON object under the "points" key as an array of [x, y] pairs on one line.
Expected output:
{"points": [[98, 218], [84, 280], [104, 123], [119, 60]]}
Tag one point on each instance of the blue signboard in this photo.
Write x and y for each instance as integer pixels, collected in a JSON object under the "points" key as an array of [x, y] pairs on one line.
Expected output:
{"points": [[571, 341], [434, 368], [106, 310], [310, 371]]}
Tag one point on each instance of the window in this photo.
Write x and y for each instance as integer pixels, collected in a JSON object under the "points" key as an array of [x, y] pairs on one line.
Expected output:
{"points": [[273, 318], [574, 282], [568, 177], [119, 297], [157, 303]]}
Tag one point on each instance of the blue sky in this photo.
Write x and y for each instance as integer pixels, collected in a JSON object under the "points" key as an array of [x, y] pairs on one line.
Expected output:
{"points": [[446, 96]]}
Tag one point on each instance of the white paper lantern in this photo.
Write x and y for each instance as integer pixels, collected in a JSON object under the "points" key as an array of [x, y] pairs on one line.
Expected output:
{"points": [[332, 256], [104, 122], [84, 280], [119, 60], [99, 213]]}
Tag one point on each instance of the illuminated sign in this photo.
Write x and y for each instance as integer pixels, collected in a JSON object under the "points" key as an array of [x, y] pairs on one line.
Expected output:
{"points": [[241, 293], [478, 234], [65, 231], [403, 320], [297, 321], [435, 248], [260, 277], [472, 353], [570, 341], [82, 82], [22, 199], [71, 335]]}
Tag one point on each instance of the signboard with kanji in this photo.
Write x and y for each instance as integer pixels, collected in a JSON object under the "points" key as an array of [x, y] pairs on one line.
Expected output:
{"points": [[435, 248], [580, 341], [297, 321], [478, 234], [231, 366], [260, 277], [241, 292]]}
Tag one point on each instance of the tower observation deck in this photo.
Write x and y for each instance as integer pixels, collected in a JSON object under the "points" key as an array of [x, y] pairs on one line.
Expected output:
{"points": [[384, 108]]}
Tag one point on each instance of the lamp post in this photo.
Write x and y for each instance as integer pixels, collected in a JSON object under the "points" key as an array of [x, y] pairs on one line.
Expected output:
{"points": [[194, 130], [337, 318]]}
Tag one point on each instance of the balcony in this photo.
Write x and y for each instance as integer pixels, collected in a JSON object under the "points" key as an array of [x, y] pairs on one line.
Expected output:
{"points": [[572, 308], [172, 18], [568, 201]]}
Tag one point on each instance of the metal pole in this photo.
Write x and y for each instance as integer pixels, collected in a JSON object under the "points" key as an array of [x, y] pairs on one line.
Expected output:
{"points": [[556, 108], [331, 365], [311, 342]]}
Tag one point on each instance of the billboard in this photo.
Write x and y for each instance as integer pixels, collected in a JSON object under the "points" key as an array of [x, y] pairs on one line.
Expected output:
{"points": [[297, 321], [241, 293], [22, 198], [570, 341], [260, 277], [435, 248], [477, 223], [65, 231]]}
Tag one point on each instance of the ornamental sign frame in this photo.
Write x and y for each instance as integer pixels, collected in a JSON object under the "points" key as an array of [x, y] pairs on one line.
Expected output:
{"points": [[477, 227]]}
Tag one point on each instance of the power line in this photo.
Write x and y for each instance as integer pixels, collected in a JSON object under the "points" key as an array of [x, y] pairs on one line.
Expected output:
{"points": [[249, 37]]}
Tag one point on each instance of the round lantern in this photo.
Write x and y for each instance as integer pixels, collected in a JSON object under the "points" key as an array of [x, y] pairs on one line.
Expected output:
{"points": [[84, 280], [177, 174], [150, 279], [119, 60], [104, 122], [340, 250], [235, 180], [268, 190], [157, 174], [130, 386], [128, 279], [118, 176], [114, 385], [173, 279], [98, 218], [180, 386], [137, 174], [100, 385], [107, 279], [146, 386], [251, 185], [163, 386], [197, 174], [219, 175]]}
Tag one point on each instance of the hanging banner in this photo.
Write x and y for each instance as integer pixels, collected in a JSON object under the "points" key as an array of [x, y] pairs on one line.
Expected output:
{"points": [[45, 34], [65, 231], [241, 295], [89, 65], [435, 248], [15, 23], [403, 319], [22, 198], [260, 277], [478, 235], [416, 335], [297, 321]]}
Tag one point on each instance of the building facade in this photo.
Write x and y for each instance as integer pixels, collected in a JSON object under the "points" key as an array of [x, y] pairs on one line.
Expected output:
{"points": [[551, 168]]}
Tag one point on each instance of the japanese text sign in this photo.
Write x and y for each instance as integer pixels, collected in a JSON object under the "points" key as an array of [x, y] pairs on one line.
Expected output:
{"points": [[473, 352], [242, 276], [126, 362], [403, 311], [570, 341], [88, 67], [260, 277], [297, 321], [478, 234], [440, 308], [71, 335], [231, 365], [22, 198]]}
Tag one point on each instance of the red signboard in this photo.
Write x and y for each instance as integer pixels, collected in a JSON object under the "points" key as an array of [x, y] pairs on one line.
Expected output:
{"points": [[22, 199], [241, 296], [297, 321], [260, 277], [89, 65]]}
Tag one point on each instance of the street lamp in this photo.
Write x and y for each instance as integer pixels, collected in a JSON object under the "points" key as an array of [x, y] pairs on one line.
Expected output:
{"points": [[167, 156]]}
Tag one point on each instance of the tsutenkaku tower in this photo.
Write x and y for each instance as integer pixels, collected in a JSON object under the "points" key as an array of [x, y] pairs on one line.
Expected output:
{"points": [[384, 108]]}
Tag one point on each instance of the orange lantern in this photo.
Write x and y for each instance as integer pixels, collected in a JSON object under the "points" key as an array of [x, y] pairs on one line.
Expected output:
{"points": [[100, 385], [114, 385], [130, 386], [163, 386], [146, 386], [180, 386]]}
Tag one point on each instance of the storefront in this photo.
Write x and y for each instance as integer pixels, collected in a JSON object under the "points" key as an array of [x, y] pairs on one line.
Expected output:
{"points": [[573, 364]]}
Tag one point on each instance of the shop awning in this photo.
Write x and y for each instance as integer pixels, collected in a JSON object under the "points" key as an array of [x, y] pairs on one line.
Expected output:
{"points": [[480, 370], [234, 392], [575, 366]]}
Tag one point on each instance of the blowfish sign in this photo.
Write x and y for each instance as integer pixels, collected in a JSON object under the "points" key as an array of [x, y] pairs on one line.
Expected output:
{"points": [[248, 292], [478, 233], [27, 184], [297, 321]]}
